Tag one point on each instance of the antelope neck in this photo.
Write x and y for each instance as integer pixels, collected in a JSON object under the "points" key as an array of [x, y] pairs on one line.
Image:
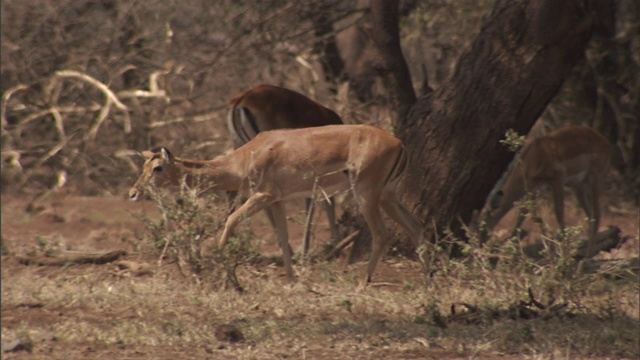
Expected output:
{"points": [[220, 173]]}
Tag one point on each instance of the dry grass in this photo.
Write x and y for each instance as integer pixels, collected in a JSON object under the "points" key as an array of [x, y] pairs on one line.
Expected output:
{"points": [[321, 313], [95, 310]]}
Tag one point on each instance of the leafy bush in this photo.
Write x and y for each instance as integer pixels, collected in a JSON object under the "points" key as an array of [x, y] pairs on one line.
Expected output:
{"points": [[190, 226]]}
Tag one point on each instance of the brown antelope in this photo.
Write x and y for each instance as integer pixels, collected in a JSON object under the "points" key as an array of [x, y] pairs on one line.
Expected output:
{"points": [[576, 156], [268, 107], [281, 165]]}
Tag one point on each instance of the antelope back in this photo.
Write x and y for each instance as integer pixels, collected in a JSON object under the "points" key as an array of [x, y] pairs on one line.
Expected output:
{"points": [[268, 107]]}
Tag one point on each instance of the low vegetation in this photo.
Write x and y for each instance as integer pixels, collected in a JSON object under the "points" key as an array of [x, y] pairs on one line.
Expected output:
{"points": [[495, 302]]}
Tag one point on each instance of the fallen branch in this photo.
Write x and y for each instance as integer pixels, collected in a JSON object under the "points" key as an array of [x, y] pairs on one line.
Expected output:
{"points": [[135, 268], [614, 269], [75, 259], [523, 310], [341, 245], [604, 241]]}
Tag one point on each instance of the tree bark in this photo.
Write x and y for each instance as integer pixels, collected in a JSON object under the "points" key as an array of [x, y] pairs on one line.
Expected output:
{"points": [[515, 66], [388, 61], [371, 49], [325, 45]]}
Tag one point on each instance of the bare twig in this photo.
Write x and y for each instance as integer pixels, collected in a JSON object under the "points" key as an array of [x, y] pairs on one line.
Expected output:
{"points": [[60, 110], [111, 99], [57, 118], [102, 87], [154, 89], [14, 157], [142, 94], [102, 116], [164, 251], [126, 156], [54, 150], [381, 284], [204, 144], [197, 118], [5, 100]]}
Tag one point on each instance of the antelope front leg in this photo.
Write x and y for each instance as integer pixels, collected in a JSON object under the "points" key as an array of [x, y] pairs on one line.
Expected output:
{"points": [[254, 204], [282, 233]]}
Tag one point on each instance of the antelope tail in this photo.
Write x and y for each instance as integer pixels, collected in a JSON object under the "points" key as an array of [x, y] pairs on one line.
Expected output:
{"points": [[401, 163]]}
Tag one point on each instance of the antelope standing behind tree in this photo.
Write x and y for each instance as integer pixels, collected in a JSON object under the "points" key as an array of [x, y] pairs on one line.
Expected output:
{"points": [[282, 165], [268, 107], [575, 156]]}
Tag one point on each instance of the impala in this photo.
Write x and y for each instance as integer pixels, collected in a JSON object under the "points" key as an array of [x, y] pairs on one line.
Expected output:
{"points": [[281, 165], [575, 156], [268, 107]]}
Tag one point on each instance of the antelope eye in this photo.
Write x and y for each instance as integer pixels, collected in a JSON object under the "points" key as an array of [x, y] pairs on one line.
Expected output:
{"points": [[157, 169]]}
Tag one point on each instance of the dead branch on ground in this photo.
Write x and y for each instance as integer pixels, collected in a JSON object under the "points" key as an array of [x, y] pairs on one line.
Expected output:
{"points": [[604, 241], [526, 310], [73, 259], [335, 252]]}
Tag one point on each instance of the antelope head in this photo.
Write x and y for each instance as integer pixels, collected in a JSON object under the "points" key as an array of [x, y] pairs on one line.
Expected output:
{"points": [[159, 170]]}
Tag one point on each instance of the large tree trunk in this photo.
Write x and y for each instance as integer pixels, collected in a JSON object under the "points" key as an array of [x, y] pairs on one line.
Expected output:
{"points": [[371, 49], [388, 61], [325, 44], [522, 55]]}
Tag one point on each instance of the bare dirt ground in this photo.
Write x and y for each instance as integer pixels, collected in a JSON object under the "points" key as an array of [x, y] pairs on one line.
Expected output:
{"points": [[100, 311]]}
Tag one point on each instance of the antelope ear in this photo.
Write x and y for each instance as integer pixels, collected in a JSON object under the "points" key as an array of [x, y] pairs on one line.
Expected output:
{"points": [[146, 154], [166, 155]]}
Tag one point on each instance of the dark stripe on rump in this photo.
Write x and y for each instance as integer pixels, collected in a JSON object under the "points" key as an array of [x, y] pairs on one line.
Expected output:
{"points": [[252, 122], [238, 124], [236, 121]]}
